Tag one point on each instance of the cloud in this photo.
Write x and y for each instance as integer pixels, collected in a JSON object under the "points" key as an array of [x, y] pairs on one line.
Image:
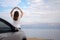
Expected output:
{"points": [[9, 3], [44, 11]]}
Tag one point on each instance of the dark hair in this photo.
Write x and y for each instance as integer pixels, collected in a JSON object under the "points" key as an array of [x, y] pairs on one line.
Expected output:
{"points": [[16, 15]]}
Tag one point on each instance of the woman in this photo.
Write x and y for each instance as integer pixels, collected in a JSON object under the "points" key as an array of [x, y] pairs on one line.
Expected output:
{"points": [[16, 15]]}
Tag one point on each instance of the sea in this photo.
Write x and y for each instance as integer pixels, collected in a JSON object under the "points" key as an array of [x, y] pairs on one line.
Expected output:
{"points": [[42, 30]]}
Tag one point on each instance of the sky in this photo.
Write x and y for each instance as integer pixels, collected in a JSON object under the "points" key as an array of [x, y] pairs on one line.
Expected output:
{"points": [[35, 11]]}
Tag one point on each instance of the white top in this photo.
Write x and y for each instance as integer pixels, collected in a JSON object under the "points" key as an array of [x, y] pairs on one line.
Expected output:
{"points": [[16, 24]]}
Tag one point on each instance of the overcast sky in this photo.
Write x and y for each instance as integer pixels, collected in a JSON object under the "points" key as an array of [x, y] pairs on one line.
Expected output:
{"points": [[35, 11]]}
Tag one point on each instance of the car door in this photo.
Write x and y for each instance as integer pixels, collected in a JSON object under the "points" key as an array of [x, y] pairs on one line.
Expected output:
{"points": [[9, 32], [6, 30]]}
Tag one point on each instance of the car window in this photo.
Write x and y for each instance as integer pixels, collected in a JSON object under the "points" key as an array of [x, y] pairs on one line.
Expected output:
{"points": [[4, 27]]}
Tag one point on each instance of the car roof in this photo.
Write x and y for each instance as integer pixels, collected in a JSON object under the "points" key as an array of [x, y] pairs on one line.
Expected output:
{"points": [[10, 25]]}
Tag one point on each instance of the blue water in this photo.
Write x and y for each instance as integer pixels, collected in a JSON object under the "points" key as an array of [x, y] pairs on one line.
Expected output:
{"points": [[40, 33], [43, 30], [42, 26]]}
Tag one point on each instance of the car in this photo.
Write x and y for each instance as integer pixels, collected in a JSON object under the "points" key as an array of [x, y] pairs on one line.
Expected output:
{"points": [[9, 32]]}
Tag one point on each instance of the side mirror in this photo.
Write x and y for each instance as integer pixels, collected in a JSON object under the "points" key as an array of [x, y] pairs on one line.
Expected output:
{"points": [[15, 29]]}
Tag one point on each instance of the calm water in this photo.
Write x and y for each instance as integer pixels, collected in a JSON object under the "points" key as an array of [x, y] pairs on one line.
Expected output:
{"points": [[42, 31]]}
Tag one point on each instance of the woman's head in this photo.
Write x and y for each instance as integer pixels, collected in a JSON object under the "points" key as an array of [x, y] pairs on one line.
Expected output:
{"points": [[16, 15]]}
